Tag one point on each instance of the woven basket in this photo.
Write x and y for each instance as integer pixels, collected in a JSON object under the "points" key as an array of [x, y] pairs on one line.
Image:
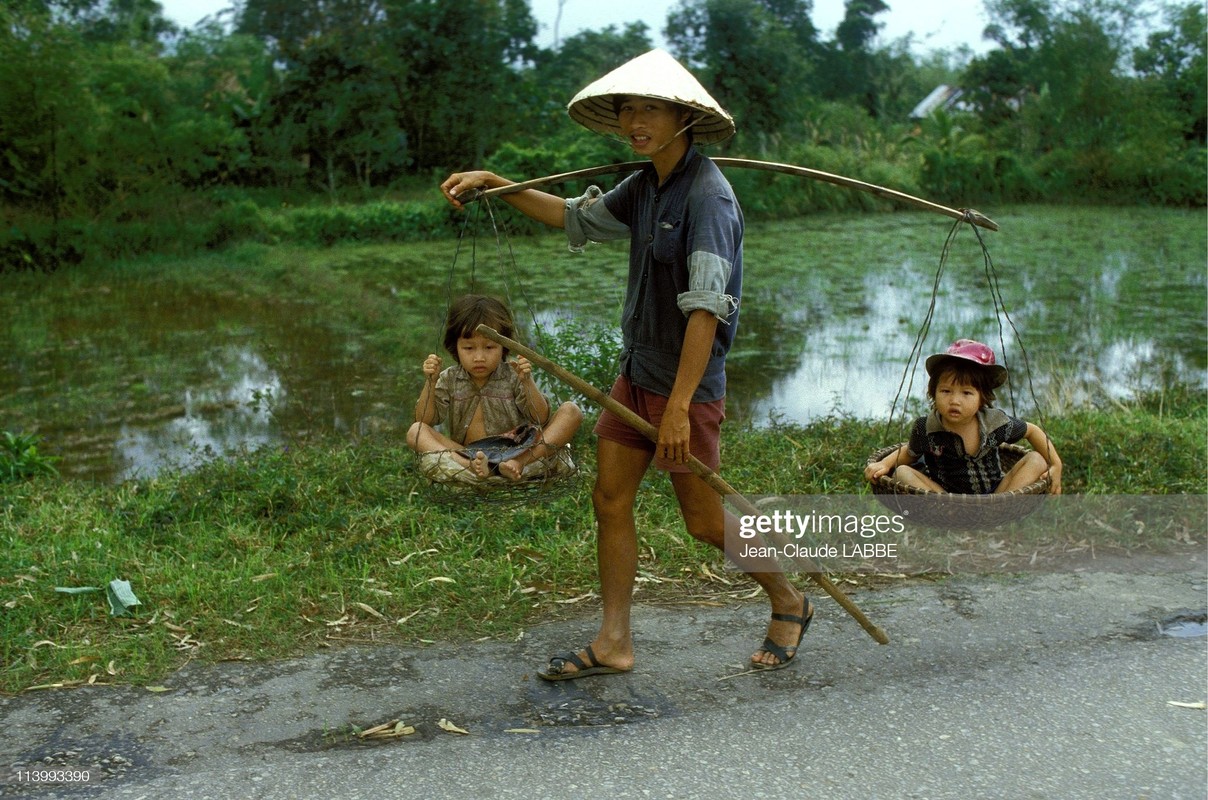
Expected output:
{"points": [[562, 477], [960, 511]]}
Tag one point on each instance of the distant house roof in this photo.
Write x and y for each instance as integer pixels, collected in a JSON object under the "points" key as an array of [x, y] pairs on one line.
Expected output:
{"points": [[952, 98], [942, 96]]}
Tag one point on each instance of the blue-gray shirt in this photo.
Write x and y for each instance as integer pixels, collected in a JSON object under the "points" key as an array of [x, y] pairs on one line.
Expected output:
{"points": [[685, 254]]}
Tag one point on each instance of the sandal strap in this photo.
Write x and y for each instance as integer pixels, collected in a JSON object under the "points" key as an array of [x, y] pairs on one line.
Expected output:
{"points": [[558, 663], [781, 653]]}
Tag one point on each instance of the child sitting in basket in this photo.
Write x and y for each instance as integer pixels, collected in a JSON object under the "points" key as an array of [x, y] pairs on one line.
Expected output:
{"points": [[958, 441], [499, 422]]}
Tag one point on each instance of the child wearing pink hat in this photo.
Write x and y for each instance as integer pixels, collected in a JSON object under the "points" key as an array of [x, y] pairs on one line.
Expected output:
{"points": [[958, 441]]}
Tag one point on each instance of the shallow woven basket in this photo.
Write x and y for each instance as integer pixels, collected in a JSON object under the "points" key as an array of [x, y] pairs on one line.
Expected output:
{"points": [[501, 492], [960, 511]]}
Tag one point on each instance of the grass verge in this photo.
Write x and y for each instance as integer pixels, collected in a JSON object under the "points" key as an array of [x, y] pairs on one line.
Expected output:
{"points": [[279, 552]]}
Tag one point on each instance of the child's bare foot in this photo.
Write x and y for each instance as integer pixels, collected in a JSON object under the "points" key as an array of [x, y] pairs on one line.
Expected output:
{"points": [[512, 470], [480, 466]]}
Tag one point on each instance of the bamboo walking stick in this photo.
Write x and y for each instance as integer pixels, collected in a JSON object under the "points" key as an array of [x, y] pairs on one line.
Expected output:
{"points": [[709, 476], [969, 215]]}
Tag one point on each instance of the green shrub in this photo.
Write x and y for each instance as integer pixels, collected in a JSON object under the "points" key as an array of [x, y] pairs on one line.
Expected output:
{"points": [[241, 221], [1178, 181], [372, 222], [956, 178], [591, 351], [20, 459]]}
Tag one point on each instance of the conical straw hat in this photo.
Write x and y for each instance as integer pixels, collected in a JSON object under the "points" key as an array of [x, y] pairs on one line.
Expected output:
{"points": [[653, 74]]}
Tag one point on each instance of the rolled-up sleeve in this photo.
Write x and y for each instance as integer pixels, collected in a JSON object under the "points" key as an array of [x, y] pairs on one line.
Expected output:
{"points": [[587, 219], [708, 276]]}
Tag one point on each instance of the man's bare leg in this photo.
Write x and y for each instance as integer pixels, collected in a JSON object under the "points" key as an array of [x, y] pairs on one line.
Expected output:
{"points": [[619, 475], [707, 520]]}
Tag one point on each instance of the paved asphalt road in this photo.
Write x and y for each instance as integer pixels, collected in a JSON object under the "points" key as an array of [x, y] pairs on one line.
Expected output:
{"points": [[1035, 686]]}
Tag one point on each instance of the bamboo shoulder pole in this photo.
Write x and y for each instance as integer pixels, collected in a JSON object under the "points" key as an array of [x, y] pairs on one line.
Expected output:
{"points": [[969, 215], [709, 476], [561, 177], [972, 216]]}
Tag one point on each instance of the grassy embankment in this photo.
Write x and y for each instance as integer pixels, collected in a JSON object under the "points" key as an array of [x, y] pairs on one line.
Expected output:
{"points": [[281, 552]]}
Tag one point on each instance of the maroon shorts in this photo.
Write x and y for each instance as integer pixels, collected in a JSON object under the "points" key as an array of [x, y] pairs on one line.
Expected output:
{"points": [[704, 438]]}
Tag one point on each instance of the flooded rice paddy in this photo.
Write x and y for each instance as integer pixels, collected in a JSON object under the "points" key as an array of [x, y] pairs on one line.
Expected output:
{"points": [[128, 369]]}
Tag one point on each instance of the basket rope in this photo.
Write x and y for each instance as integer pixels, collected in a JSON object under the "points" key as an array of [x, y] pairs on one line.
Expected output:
{"points": [[957, 510], [451, 485]]}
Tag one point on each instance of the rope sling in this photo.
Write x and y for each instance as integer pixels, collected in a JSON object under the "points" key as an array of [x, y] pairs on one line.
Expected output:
{"points": [[961, 511], [449, 480]]}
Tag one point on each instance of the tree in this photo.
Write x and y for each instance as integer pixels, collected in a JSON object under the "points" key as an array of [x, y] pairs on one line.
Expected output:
{"points": [[335, 112], [1021, 24], [858, 29], [1172, 62], [370, 87], [754, 55], [454, 66], [559, 73], [47, 114], [228, 78], [851, 68], [287, 26], [1058, 90], [130, 22]]}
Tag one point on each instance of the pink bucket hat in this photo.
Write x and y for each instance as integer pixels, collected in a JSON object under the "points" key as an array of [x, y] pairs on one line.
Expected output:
{"points": [[969, 350]]}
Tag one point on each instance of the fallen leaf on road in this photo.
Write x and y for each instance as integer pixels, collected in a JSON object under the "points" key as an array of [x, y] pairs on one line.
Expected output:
{"points": [[387, 730], [445, 725]]}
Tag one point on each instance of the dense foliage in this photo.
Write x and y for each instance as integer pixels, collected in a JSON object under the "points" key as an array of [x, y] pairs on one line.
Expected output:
{"points": [[117, 127]]}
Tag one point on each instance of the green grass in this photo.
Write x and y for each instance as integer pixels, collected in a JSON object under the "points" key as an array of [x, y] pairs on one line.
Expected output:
{"points": [[280, 552]]}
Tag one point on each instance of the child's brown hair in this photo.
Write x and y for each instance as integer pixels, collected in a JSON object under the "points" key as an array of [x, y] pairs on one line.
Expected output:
{"points": [[964, 373], [469, 311]]}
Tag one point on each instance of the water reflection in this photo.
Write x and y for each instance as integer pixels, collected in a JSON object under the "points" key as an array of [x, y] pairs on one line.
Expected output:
{"points": [[856, 362], [192, 375], [227, 411]]}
